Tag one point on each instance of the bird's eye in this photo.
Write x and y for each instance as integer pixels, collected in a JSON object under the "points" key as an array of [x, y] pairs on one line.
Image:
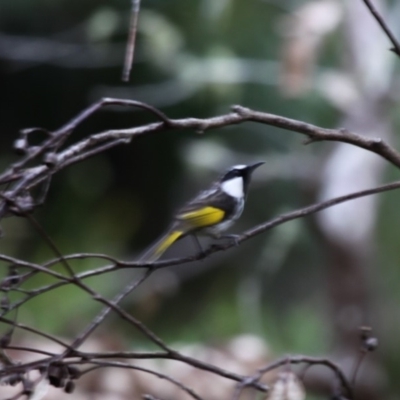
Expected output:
{"points": [[234, 173]]}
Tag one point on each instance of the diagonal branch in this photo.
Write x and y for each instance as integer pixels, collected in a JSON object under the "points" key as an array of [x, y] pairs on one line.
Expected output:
{"points": [[257, 230], [21, 180], [384, 26]]}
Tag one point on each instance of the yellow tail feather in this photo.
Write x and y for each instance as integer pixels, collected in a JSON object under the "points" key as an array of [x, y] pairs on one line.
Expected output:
{"points": [[158, 249]]}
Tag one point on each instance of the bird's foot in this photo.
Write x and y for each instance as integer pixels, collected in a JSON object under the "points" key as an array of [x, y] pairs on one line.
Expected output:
{"points": [[202, 254], [232, 237]]}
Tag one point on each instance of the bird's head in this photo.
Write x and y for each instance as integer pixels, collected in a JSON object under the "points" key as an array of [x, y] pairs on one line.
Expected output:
{"points": [[235, 181]]}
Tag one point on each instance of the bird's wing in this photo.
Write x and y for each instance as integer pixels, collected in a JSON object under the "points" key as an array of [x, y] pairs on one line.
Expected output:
{"points": [[201, 212], [204, 210], [201, 217]]}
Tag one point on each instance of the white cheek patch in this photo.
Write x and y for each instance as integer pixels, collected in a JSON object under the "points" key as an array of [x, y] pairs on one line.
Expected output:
{"points": [[233, 187]]}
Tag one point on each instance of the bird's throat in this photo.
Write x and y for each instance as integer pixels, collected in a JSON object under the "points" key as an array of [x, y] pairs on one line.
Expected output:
{"points": [[233, 187]]}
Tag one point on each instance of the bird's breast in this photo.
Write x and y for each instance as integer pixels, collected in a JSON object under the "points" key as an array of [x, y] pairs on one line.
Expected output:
{"points": [[232, 216]]}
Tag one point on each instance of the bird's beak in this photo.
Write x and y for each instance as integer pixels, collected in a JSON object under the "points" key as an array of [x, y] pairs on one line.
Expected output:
{"points": [[252, 167]]}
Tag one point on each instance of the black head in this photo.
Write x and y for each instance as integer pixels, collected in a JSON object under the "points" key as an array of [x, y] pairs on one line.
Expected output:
{"points": [[241, 171]]}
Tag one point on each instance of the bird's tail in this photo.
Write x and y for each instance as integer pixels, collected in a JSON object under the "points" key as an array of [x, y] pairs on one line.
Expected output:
{"points": [[158, 248]]}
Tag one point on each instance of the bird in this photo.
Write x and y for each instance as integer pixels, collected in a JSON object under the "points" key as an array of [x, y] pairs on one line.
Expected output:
{"points": [[210, 213]]}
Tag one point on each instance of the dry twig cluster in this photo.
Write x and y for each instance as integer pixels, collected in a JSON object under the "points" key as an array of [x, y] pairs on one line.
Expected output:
{"points": [[34, 172]]}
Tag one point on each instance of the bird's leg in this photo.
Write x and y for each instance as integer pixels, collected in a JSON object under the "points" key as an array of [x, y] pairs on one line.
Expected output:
{"points": [[198, 245]]}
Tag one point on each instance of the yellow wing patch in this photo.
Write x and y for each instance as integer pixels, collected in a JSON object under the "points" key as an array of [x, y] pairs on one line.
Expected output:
{"points": [[168, 241], [203, 217]]}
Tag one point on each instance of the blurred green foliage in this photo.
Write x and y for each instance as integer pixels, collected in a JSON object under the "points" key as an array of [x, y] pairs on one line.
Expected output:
{"points": [[193, 58], [118, 202]]}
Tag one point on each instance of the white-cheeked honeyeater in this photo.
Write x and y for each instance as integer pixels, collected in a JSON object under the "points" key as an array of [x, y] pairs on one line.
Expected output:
{"points": [[210, 213]]}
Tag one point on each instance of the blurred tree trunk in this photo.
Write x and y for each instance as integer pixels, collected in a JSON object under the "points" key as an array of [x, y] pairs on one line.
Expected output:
{"points": [[348, 230]]}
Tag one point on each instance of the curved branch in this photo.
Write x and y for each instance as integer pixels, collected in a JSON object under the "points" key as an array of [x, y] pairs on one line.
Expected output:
{"points": [[101, 364], [239, 115], [311, 361], [99, 142]]}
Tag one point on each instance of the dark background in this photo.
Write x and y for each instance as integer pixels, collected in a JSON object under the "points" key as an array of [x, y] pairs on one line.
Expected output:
{"points": [[196, 59]]}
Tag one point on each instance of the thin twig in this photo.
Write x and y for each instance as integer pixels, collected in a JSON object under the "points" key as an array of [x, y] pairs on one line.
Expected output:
{"points": [[94, 144], [257, 230], [109, 306], [130, 46], [21, 177], [101, 364], [33, 330], [313, 361], [384, 26]]}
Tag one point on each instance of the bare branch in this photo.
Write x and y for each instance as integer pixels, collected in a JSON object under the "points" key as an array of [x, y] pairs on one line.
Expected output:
{"points": [[185, 388], [240, 115], [130, 46], [384, 26], [119, 264], [110, 305], [21, 178], [312, 361], [99, 142], [33, 330]]}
